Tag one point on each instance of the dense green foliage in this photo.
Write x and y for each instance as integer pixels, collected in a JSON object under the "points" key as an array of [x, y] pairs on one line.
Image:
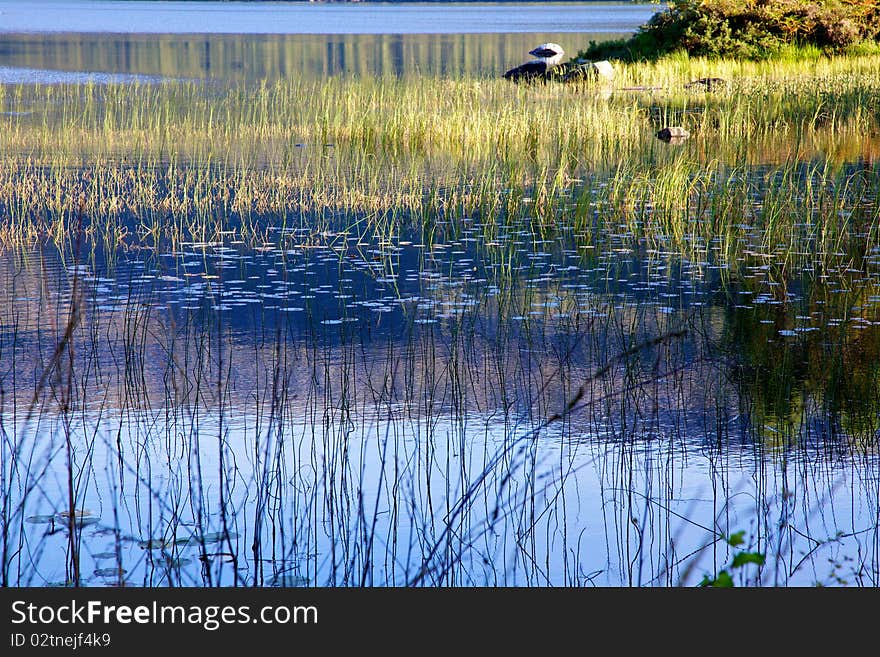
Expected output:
{"points": [[751, 29]]}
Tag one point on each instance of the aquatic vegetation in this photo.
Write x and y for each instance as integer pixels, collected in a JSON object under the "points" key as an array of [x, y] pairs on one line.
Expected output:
{"points": [[724, 578], [372, 331], [182, 161]]}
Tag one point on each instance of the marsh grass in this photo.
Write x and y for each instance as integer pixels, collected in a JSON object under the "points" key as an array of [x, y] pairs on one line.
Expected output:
{"points": [[178, 162], [459, 453], [448, 452]]}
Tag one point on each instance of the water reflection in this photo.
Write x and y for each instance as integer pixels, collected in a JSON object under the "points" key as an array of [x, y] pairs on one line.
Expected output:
{"points": [[12, 75], [255, 57], [811, 360], [326, 409]]}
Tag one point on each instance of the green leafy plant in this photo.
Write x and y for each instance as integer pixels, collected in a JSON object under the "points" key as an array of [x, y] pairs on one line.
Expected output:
{"points": [[723, 578]]}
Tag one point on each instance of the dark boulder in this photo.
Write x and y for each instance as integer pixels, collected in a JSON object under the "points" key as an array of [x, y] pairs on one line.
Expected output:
{"points": [[673, 134]]}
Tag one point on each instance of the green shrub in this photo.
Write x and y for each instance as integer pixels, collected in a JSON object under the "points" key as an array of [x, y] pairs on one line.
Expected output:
{"points": [[748, 29]]}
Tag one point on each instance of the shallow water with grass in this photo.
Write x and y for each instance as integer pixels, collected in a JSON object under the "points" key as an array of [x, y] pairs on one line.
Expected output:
{"points": [[358, 332]]}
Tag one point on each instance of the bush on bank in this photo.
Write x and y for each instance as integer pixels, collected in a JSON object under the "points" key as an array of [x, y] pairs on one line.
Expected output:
{"points": [[749, 29]]}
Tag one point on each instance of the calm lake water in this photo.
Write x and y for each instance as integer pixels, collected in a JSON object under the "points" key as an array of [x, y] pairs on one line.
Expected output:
{"points": [[457, 403], [54, 59], [308, 18], [334, 400], [52, 42]]}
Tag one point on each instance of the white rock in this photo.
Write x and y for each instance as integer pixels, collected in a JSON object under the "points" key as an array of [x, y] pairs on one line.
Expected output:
{"points": [[604, 69]]}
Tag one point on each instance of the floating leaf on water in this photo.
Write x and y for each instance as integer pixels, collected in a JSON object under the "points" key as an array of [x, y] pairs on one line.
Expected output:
{"points": [[178, 562], [78, 513], [214, 537], [79, 523], [227, 556], [81, 518], [41, 519], [289, 580], [156, 543], [104, 555]]}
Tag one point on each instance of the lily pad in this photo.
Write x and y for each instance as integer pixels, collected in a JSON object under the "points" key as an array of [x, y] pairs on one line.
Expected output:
{"points": [[77, 513], [178, 562], [41, 519], [81, 518], [289, 580], [104, 555], [216, 537], [79, 523], [156, 543]]}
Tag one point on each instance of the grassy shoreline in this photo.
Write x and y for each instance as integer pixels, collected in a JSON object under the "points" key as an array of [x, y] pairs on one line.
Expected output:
{"points": [[782, 144]]}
